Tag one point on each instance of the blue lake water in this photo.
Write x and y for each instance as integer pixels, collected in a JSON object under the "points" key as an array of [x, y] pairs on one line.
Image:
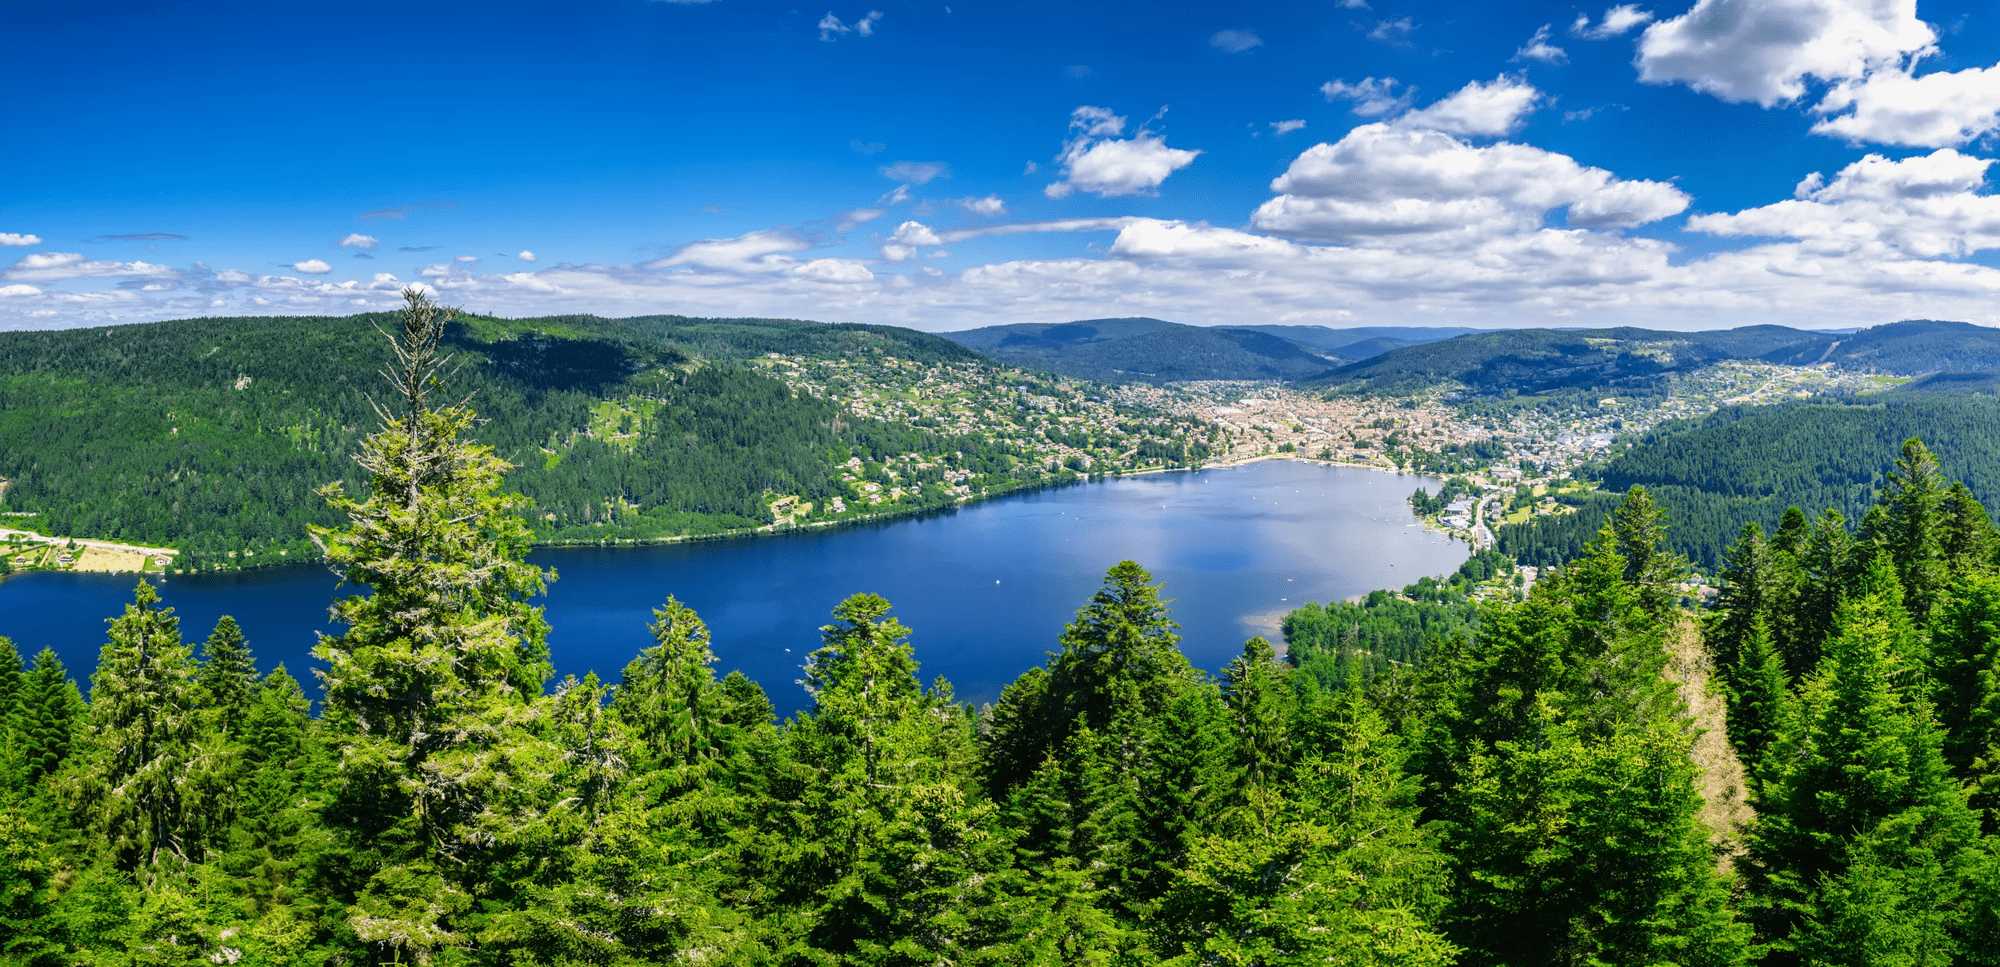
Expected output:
{"points": [[985, 589]]}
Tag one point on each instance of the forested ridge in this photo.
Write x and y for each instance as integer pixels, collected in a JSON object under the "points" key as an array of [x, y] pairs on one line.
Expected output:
{"points": [[1522, 792], [214, 435], [1750, 463]]}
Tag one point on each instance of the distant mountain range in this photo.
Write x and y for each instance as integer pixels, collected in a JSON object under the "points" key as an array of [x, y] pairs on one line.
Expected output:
{"points": [[1541, 360], [1156, 351], [1393, 358]]}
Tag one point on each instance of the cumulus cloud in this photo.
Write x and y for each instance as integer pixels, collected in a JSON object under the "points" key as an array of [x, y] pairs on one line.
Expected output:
{"points": [[1763, 50], [834, 270], [1372, 96], [1936, 110], [358, 240], [990, 206], [1923, 207], [1617, 20], [18, 291], [526, 256], [1392, 185], [312, 267], [16, 239], [1282, 128], [1235, 41], [915, 233], [1538, 48], [916, 172], [57, 266], [1096, 160], [832, 27], [1492, 109]]}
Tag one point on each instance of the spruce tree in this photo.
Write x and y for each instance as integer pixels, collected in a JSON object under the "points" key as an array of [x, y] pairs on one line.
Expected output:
{"points": [[46, 718], [1343, 874], [1121, 650], [1639, 528], [1759, 697], [29, 933], [227, 678], [1746, 595], [1862, 835], [429, 693], [137, 773], [1915, 526], [1260, 699], [877, 847]]}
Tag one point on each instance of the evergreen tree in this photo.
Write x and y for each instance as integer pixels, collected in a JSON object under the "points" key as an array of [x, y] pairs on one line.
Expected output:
{"points": [[1559, 766], [1970, 543], [1746, 596], [46, 718], [1914, 526], [1121, 650], [1343, 873], [135, 777], [1862, 837], [1260, 698], [670, 701], [1824, 575], [429, 691], [1759, 698], [227, 678], [29, 933], [877, 848], [1639, 527]]}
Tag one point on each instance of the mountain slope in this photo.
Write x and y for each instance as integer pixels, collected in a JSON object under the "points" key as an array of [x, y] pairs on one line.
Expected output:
{"points": [[1912, 347], [1145, 350], [1540, 360]]}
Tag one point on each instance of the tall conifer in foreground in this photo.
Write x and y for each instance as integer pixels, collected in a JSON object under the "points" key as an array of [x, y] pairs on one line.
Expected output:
{"points": [[429, 693]]}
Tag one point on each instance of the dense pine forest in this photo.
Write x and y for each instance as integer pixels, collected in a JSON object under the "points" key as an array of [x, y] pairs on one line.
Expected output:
{"points": [[1519, 788], [214, 435], [1750, 463]]}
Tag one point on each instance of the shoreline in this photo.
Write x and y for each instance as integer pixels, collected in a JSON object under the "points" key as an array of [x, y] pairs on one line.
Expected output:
{"points": [[883, 517]]}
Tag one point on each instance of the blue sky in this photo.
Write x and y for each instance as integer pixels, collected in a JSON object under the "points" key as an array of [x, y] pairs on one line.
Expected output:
{"points": [[1685, 164]]}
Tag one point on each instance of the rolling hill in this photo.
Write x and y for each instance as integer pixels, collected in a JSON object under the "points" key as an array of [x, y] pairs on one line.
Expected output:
{"points": [[1156, 351]]}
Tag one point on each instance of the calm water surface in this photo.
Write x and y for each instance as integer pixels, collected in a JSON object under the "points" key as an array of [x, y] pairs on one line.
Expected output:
{"points": [[985, 589]]}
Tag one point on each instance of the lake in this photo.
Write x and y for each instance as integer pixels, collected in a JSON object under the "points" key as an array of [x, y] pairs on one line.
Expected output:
{"points": [[985, 589]]}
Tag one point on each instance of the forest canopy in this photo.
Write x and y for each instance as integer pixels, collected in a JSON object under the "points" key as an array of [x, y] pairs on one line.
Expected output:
{"points": [[1524, 792]]}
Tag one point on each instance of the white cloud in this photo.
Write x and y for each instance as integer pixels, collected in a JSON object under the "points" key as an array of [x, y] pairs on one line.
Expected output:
{"points": [[990, 206], [1539, 48], [1235, 41], [831, 27], [1491, 109], [312, 267], [1936, 110], [1763, 50], [526, 256], [1923, 207], [1617, 20], [1353, 4], [1282, 128], [899, 195], [898, 253], [1393, 185], [18, 291], [858, 216], [465, 258], [57, 266], [834, 270], [753, 252], [381, 277], [358, 240], [1372, 96], [1392, 31], [915, 233], [916, 172], [13, 239], [1096, 160]]}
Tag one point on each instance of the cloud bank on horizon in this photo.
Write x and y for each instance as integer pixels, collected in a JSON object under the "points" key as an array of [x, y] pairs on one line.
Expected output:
{"points": [[1696, 164]]}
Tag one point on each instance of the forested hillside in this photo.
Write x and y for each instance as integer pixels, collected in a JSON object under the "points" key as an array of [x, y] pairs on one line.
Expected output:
{"points": [[1523, 794], [1146, 350], [214, 435], [1749, 463]]}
